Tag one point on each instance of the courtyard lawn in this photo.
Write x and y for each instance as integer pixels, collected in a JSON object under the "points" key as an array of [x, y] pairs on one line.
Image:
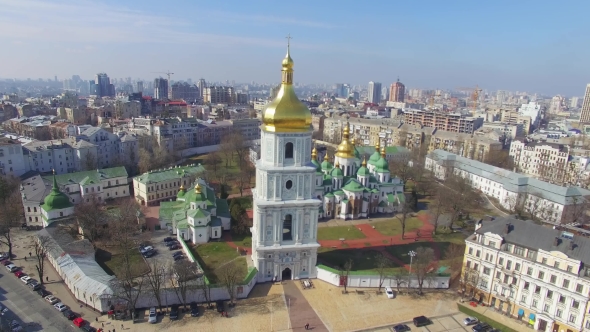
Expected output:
{"points": [[242, 240], [393, 226], [114, 263], [363, 260], [213, 255], [339, 232]]}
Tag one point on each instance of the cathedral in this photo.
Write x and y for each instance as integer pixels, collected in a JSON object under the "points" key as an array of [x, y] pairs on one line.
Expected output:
{"points": [[286, 207], [350, 189]]}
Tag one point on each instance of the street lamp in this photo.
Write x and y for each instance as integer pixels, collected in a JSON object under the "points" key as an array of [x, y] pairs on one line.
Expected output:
{"points": [[412, 254]]}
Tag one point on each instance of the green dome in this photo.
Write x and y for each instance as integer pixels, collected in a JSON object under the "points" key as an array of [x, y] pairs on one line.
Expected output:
{"points": [[381, 165], [316, 164], [363, 171], [56, 200], [337, 171], [181, 192], [374, 157], [326, 165]]}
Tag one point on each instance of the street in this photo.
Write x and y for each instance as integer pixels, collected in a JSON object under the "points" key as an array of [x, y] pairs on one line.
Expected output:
{"points": [[33, 311]]}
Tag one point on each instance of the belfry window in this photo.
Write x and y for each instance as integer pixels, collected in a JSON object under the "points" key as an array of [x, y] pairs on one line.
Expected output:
{"points": [[287, 228], [289, 150]]}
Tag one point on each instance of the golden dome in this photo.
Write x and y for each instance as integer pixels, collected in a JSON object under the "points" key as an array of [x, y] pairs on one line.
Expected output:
{"points": [[286, 113], [198, 188], [326, 157], [345, 149], [364, 163], [182, 187], [337, 165], [314, 153], [383, 152], [377, 147]]}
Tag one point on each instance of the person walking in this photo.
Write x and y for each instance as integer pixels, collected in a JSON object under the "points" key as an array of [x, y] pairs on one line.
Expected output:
{"points": [[307, 326], [25, 258], [47, 279], [30, 255]]}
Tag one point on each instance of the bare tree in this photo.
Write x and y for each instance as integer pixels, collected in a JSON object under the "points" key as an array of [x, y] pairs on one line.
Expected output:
{"points": [[243, 178], [576, 212], [230, 275], [344, 272], [145, 161], [499, 158], [124, 232], [460, 197], [469, 280], [11, 215], [436, 208], [205, 287], [156, 279], [91, 217], [402, 169], [400, 277], [383, 264], [454, 255], [424, 263], [90, 162], [406, 209], [213, 160], [182, 276], [42, 245], [127, 287]]}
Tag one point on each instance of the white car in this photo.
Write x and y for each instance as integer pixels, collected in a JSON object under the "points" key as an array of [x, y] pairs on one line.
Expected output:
{"points": [[51, 299], [389, 293], [60, 306], [25, 279], [11, 267], [153, 318], [470, 321], [146, 249]]}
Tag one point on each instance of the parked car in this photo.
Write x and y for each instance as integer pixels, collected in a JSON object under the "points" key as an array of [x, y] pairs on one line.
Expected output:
{"points": [[176, 253], [177, 258], [11, 267], [6, 262], [34, 285], [174, 246], [79, 322], [19, 274], [3, 255], [194, 309], [69, 314], [153, 317], [149, 254], [87, 328], [51, 299], [25, 279], [169, 239], [15, 326], [470, 321], [42, 292], [171, 243], [220, 306], [146, 249], [174, 312], [401, 328], [481, 327], [389, 293], [60, 307], [421, 321]]}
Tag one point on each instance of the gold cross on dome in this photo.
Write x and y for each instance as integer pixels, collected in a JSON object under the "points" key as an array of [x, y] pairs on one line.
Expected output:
{"points": [[289, 40]]}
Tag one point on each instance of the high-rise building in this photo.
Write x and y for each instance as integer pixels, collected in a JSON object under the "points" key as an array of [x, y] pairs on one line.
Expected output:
{"points": [[183, 90], [202, 85], [104, 88], [286, 210], [585, 114], [575, 102], [160, 88], [139, 86], [397, 91], [374, 92]]}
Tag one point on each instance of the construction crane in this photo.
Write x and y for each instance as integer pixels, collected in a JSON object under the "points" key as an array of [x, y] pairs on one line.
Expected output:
{"points": [[475, 97], [168, 73]]}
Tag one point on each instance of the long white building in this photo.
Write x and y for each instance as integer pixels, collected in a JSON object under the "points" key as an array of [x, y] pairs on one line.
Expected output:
{"points": [[11, 157], [548, 202], [530, 272]]}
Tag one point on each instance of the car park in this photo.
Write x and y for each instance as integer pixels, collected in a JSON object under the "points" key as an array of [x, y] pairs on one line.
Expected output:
{"points": [[42, 292], [174, 312], [194, 309], [470, 321], [25, 279], [34, 285], [401, 328], [11, 267], [153, 317], [69, 314], [3, 255], [389, 293], [19, 274], [60, 306], [421, 321], [170, 243], [51, 299]]}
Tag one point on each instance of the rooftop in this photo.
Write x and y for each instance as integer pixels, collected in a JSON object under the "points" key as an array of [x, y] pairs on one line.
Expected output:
{"points": [[89, 177], [169, 173]]}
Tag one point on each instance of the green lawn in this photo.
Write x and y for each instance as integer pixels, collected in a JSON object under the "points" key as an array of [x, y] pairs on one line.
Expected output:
{"points": [[393, 226], [484, 319], [338, 232], [363, 259], [242, 240], [112, 264], [213, 255]]}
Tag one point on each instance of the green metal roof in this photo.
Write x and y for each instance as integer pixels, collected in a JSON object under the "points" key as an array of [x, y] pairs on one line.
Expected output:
{"points": [[215, 222], [390, 198], [222, 208], [337, 172], [183, 224], [401, 197], [353, 185], [326, 165], [198, 213], [382, 166], [329, 195], [382, 204], [168, 174], [363, 171], [56, 200], [338, 192], [94, 176]]}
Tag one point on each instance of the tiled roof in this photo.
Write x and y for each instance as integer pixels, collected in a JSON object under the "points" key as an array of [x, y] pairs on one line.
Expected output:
{"points": [[88, 177], [168, 174]]}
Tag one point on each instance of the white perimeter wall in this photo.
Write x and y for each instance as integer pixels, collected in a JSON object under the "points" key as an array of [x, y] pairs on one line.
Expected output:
{"points": [[373, 280]]}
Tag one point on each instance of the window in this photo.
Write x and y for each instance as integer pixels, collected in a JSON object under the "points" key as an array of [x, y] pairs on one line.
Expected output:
{"points": [[514, 280], [535, 303], [572, 318], [530, 254], [487, 271], [289, 150], [544, 260], [509, 247], [34, 209], [549, 294], [29, 209], [561, 299], [546, 308], [569, 269], [556, 265], [492, 244], [471, 251], [537, 289], [523, 298], [566, 283], [558, 313], [508, 264], [519, 251], [506, 278], [579, 288], [501, 261], [541, 275], [61, 214], [498, 275], [478, 254], [287, 228], [289, 184], [526, 285], [553, 279], [517, 267], [575, 304]]}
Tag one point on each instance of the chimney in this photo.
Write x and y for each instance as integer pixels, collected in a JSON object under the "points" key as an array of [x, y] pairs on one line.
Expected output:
{"points": [[555, 241], [507, 228], [572, 245]]}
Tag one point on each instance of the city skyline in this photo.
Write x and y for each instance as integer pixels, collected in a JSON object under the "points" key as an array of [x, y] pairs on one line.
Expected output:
{"points": [[428, 46]]}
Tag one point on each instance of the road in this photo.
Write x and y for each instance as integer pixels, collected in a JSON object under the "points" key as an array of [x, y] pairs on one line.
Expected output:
{"points": [[32, 310]]}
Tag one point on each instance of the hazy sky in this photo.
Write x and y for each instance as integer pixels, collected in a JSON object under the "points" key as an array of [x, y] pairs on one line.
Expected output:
{"points": [[537, 45]]}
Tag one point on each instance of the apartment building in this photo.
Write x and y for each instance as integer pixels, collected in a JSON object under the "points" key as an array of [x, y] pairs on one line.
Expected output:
{"points": [[541, 280], [546, 161], [465, 145], [104, 184], [62, 156], [112, 149], [547, 202], [219, 95], [36, 127], [514, 117], [453, 122], [12, 161], [156, 186], [127, 109], [510, 130], [250, 128]]}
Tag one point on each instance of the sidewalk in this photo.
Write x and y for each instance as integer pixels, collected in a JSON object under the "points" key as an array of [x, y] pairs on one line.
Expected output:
{"points": [[22, 245]]}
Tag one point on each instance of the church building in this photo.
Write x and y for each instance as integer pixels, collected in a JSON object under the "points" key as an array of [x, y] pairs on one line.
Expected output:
{"points": [[286, 209]]}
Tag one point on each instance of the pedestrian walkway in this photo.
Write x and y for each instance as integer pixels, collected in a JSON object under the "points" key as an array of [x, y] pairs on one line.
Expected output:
{"points": [[300, 311]]}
